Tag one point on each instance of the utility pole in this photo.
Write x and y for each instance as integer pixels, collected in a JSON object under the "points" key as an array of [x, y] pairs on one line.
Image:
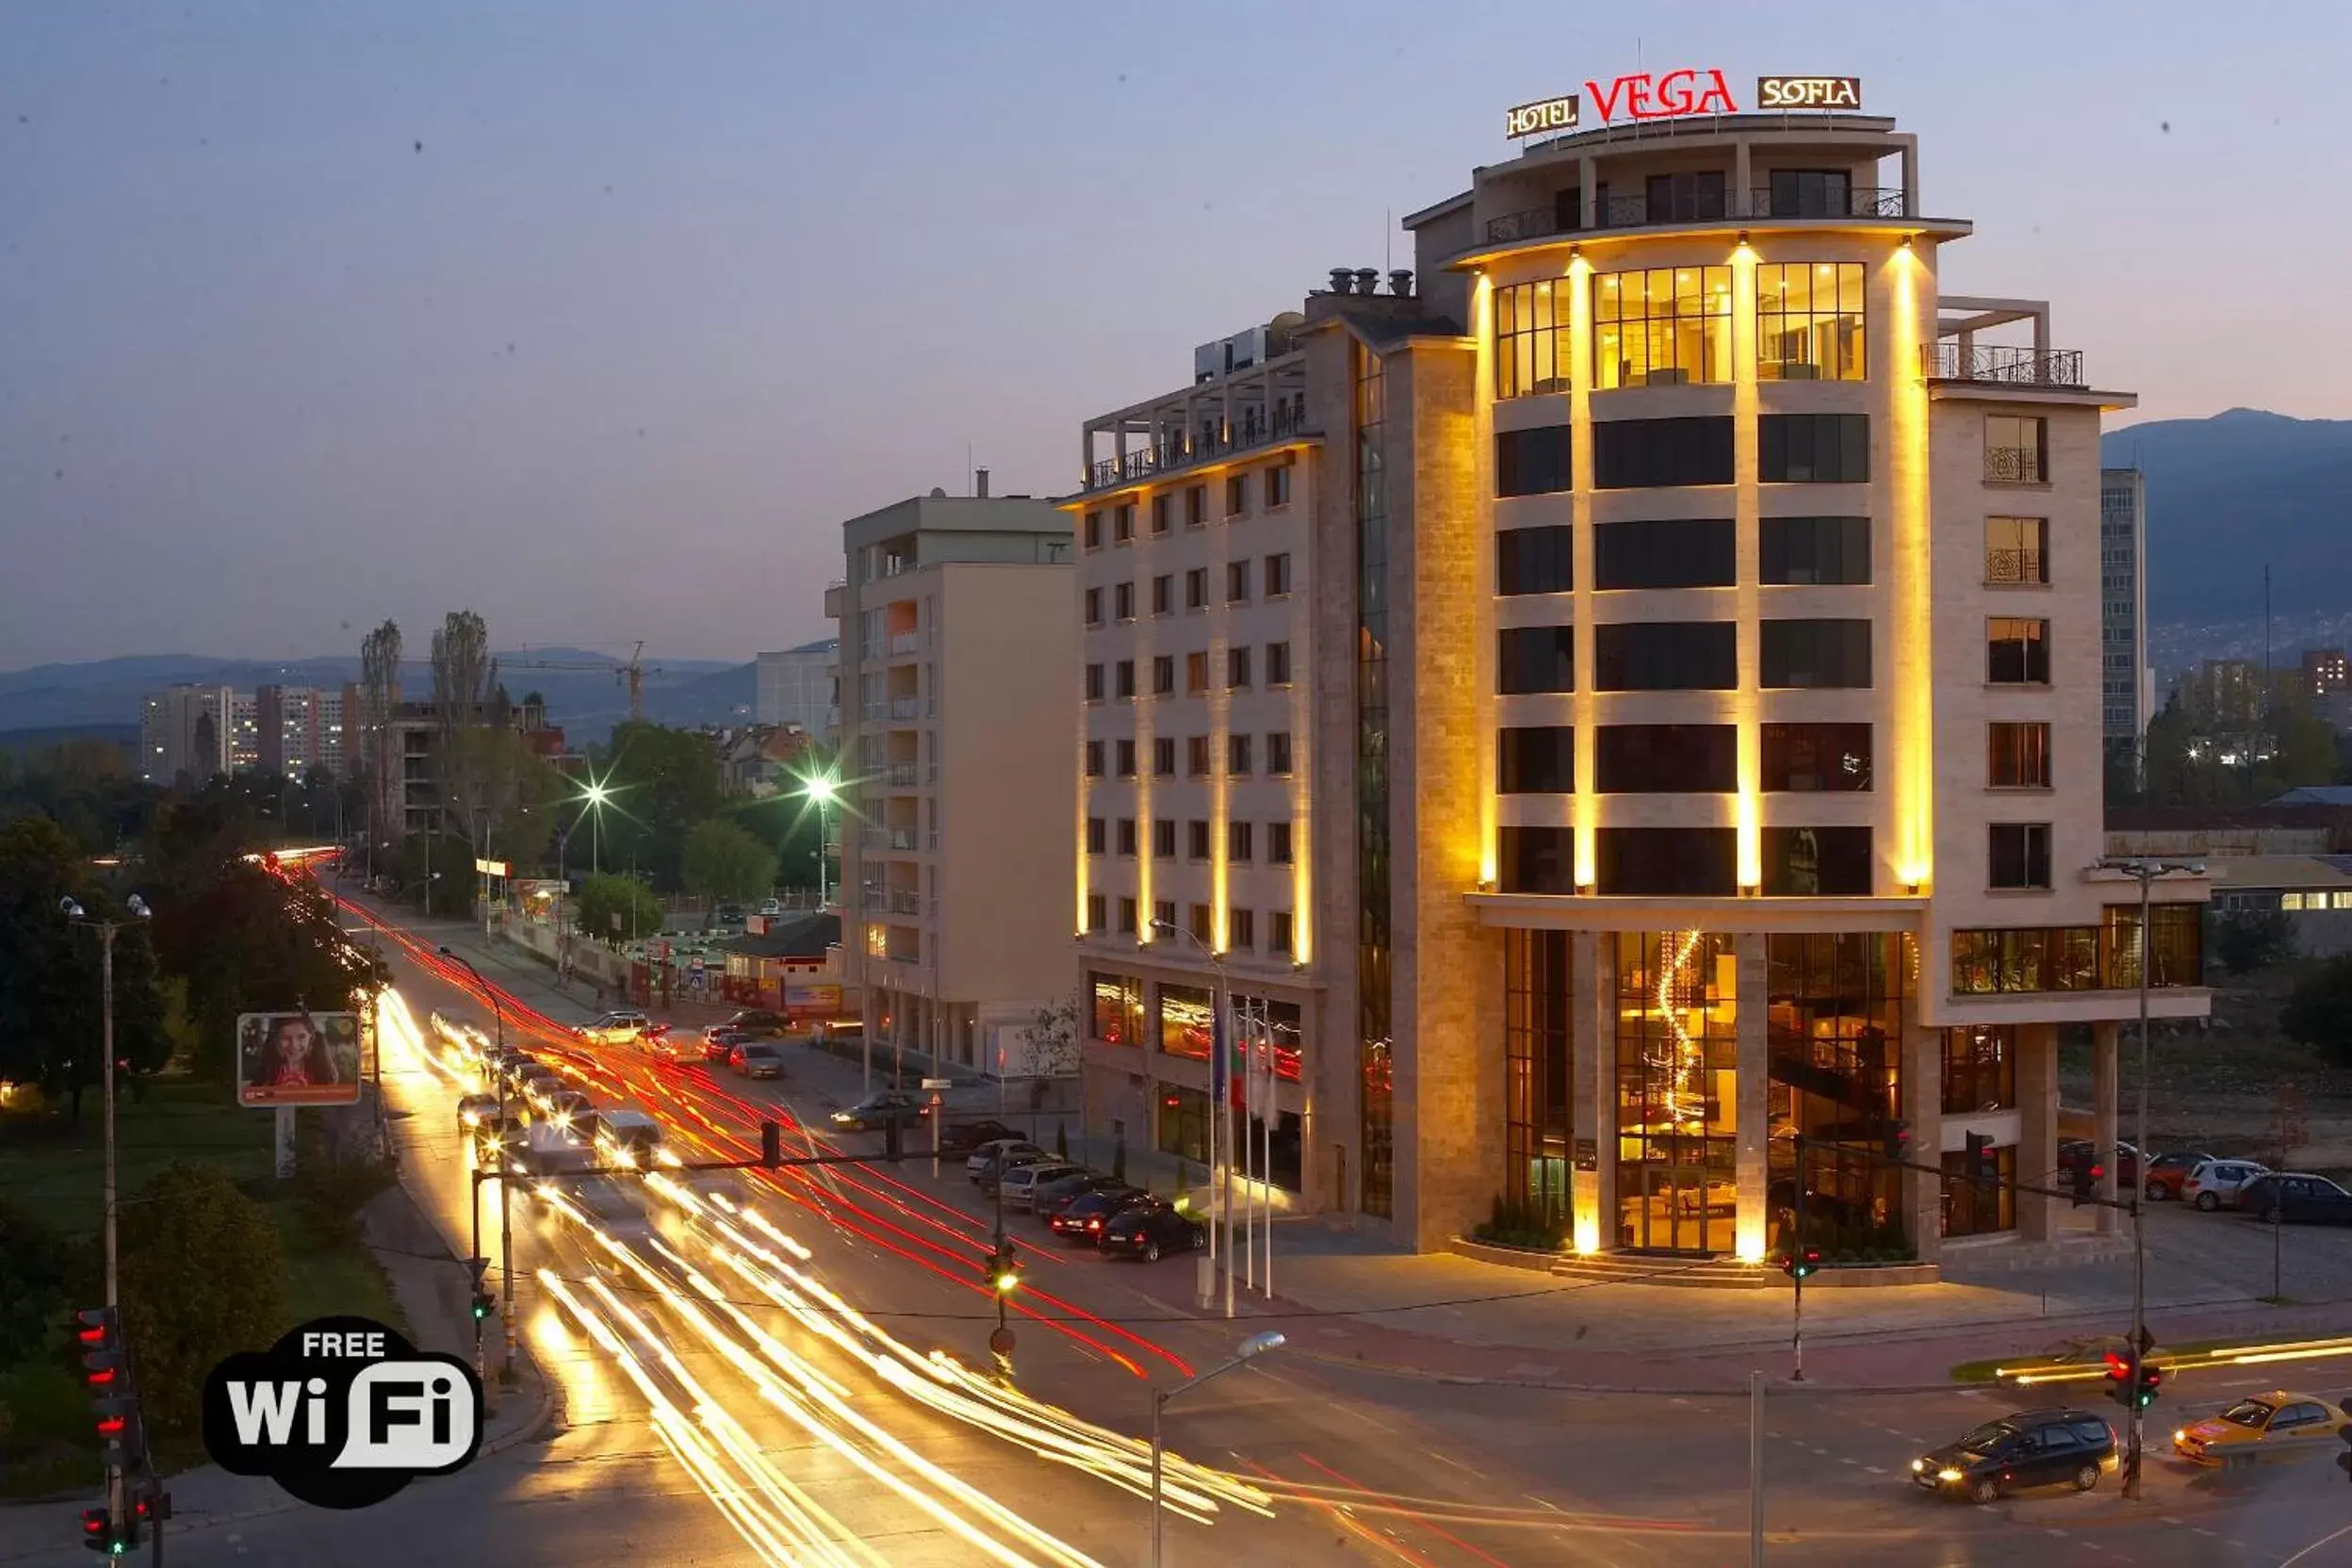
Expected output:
{"points": [[506, 1189]]}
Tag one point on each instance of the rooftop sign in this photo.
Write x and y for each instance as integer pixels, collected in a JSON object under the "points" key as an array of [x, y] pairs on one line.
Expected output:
{"points": [[1548, 114], [1809, 92], [1678, 94]]}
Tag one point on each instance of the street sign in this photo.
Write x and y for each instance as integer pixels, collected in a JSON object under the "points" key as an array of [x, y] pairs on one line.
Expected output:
{"points": [[298, 1059], [489, 868], [939, 1083], [2147, 1339]]}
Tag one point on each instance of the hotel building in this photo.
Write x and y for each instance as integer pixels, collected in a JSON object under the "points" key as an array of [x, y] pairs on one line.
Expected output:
{"points": [[1626, 705]]}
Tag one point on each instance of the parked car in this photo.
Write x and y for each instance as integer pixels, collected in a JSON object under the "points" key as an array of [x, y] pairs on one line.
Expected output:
{"points": [[719, 1042], [2214, 1184], [2031, 1449], [771, 906], [1046, 1199], [614, 1028], [1019, 1181], [1147, 1229], [1083, 1218], [978, 1160], [2165, 1174], [495, 1133], [565, 1106], [993, 1175], [2297, 1197], [756, 1059], [760, 1023], [626, 1137], [473, 1107], [2076, 1152], [2269, 1429], [881, 1110], [962, 1137]]}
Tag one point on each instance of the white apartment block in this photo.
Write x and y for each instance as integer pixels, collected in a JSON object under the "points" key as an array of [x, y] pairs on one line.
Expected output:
{"points": [[2129, 685]]}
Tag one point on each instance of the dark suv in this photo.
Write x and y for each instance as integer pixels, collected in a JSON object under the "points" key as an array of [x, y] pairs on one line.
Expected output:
{"points": [[759, 1024], [2033, 1448]]}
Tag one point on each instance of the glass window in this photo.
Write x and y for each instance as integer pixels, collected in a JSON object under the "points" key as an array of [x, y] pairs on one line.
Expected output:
{"points": [[1637, 758], [2017, 651], [1164, 757], [1812, 194], [1123, 601], [1538, 658], [1538, 989], [2019, 855], [1808, 321], [1811, 550], [1163, 674], [1675, 1120], [1197, 588], [1094, 836], [1094, 759], [2015, 551], [1237, 756], [1815, 653], [1186, 1012], [1667, 862], [1536, 859], [1094, 683], [1197, 839], [1661, 326], [1197, 756], [1835, 1005], [1278, 477], [1534, 559], [1642, 454], [1277, 932], [1094, 531], [1277, 751], [1196, 506], [1277, 574], [1196, 672], [1127, 837], [1236, 581], [1162, 512], [1123, 523], [1163, 594], [1532, 461], [2019, 756], [1240, 840], [1977, 1208], [1094, 607], [1536, 759], [1117, 1008], [1804, 758], [1665, 656], [1125, 671], [1237, 667], [1278, 664], [1530, 338], [1126, 759], [1980, 1069], [2017, 449], [1688, 553], [1817, 862], [1127, 916], [1241, 930], [1813, 448], [1277, 844], [1163, 839], [1236, 494], [878, 937]]}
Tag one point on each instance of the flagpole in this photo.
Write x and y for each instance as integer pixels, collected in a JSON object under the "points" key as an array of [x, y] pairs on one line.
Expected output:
{"points": [[1266, 1114], [1249, 1105], [1228, 1095]]}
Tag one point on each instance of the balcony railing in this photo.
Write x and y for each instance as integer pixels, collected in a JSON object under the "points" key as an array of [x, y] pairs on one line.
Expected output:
{"points": [[2009, 566], [2013, 466], [1182, 448], [1639, 212], [887, 838], [906, 642], [905, 707], [902, 901], [2001, 365], [900, 775]]}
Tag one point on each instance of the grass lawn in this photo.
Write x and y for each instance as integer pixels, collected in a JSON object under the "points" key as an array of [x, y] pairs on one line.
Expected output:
{"points": [[55, 1170]]}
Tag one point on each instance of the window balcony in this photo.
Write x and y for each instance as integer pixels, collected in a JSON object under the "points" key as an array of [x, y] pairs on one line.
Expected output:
{"points": [[1833, 205], [1948, 360], [2009, 568], [903, 900], [2013, 466], [906, 642], [900, 775], [1182, 449], [887, 838], [905, 707]]}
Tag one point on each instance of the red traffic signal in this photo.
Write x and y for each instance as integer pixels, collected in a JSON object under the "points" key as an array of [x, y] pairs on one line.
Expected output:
{"points": [[96, 1527], [1801, 1263]]}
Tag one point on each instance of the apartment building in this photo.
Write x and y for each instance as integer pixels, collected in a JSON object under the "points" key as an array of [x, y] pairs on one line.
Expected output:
{"points": [[298, 728], [795, 687], [957, 639], [1695, 630], [2129, 684], [186, 731]]}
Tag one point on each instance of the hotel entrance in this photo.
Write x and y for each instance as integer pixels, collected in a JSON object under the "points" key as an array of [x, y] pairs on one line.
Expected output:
{"points": [[1676, 1055]]}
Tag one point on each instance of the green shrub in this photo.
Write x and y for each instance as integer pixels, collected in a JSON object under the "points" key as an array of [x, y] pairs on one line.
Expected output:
{"points": [[1512, 1222]]}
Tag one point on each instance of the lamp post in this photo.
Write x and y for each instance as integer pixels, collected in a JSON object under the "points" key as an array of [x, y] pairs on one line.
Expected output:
{"points": [[2145, 871], [820, 790], [1220, 1114], [1253, 1348], [506, 1189], [594, 797]]}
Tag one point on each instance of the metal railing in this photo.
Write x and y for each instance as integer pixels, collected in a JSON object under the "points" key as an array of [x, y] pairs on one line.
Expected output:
{"points": [[899, 775], [2013, 466], [903, 900], [1639, 212], [905, 707], [2016, 565], [1945, 360], [906, 642], [1286, 418], [1858, 201]]}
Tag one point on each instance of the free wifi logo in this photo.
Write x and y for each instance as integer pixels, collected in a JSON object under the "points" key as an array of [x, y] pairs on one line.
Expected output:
{"points": [[342, 1413]]}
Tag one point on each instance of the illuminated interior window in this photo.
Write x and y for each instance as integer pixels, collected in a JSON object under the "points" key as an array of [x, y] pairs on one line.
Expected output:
{"points": [[1809, 321], [1661, 325]]}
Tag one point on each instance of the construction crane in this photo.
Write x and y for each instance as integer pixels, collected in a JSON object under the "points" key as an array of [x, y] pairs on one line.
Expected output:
{"points": [[630, 673]]}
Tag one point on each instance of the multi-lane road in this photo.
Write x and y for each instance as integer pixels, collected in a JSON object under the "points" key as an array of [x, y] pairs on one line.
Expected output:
{"points": [[791, 1368]]}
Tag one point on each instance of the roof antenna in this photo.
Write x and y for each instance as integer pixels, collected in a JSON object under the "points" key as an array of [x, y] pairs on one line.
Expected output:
{"points": [[1388, 238]]}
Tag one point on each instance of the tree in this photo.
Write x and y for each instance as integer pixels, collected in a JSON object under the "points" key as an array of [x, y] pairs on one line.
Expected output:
{"points": [[1054, 1050], [466, 697], [509, 806], [200, 1266], [36, 1265], [52, 987], [726, 865], [2318, 1011], [616, 908], [2247, 940], [663, 781], [369, 732]]}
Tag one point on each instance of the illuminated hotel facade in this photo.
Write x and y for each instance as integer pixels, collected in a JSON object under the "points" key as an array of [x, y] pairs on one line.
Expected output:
{"points": [[1693, 711]]}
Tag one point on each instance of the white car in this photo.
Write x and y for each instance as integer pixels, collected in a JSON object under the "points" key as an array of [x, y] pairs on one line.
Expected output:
{"points": [[615, 1028], [2215, 1184], [983, 1156]]}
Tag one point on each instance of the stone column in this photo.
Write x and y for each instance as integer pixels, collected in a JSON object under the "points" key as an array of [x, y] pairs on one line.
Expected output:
{"points": [[2037, 1141], [2103, 1040], [1750, 1237], [1923, 1107]]}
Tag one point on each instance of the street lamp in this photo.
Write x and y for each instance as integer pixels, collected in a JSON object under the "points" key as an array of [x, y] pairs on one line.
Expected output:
{"points": [[1219, 1112], [1253, 1348], [820, 790], [506, 1187], [594, 795], [2145, 871]]}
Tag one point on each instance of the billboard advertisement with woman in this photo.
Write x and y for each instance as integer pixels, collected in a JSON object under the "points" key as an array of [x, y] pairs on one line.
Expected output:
{"points": [[298, 1059]]}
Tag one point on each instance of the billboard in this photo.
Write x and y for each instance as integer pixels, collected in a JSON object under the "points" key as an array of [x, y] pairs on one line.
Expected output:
{"points": [[298, 1058]]}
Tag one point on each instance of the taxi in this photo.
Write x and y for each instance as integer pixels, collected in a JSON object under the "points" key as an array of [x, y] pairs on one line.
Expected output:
{"points": [[2275, 1427]]}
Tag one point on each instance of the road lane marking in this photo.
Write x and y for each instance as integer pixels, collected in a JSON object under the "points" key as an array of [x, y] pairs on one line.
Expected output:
{"points": [[1875, 1469]]}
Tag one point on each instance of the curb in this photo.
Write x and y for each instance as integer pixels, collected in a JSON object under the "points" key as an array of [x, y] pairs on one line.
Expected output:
{"points": [[1725, 1391]]}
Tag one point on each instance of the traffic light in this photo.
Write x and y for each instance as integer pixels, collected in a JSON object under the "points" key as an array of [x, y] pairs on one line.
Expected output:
{"points": [[485, 1304], [2343, 1460], [2143, 1386], [1897, 1135], [1982, 1165], [1005, 1267], [121, 1439], [98, 1529], [770, 1144], [99, 1334], [1801, 1263], [2085, 1174], [2119, 1376]]}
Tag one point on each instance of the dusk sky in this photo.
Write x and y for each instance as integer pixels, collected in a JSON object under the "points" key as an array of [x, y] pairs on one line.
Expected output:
{"points": [[600, 319]]}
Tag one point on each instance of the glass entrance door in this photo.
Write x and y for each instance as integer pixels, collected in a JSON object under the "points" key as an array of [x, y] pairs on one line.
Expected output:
{"points": [[1678, 1102]]}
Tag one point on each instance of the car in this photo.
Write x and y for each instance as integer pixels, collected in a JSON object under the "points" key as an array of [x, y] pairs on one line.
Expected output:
{"points": [[981, 1157], [1008, 1157], [2295, 1197], [2165, 1174], [2017, 1452], [1048, 1198], [1084, 1217], [2269, 1428], [2214, 1184], [546, 1150], [719, 1042], [756, 1059], [1147, 1230], [2076, 1152], [614, 1028], [881, 1110], [1019, 1181], [760, 1023], [962, 1137], [473, 1107], [615, 1203], [541, 1085], [771, 906], [564, 1107], [495, 1133], [626, 1137]]}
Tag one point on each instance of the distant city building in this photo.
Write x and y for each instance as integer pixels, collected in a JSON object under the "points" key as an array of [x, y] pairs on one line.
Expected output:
{"points": [[2325, 673], [299, 728], [244, 732], [185, 730], [796, 686], [958, 634], [2224, 696], [758, 759], [2127, 685]]}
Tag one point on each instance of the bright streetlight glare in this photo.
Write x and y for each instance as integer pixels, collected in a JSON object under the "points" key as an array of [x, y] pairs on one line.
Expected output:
{"points": [[596, 795], [821, 789]]}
